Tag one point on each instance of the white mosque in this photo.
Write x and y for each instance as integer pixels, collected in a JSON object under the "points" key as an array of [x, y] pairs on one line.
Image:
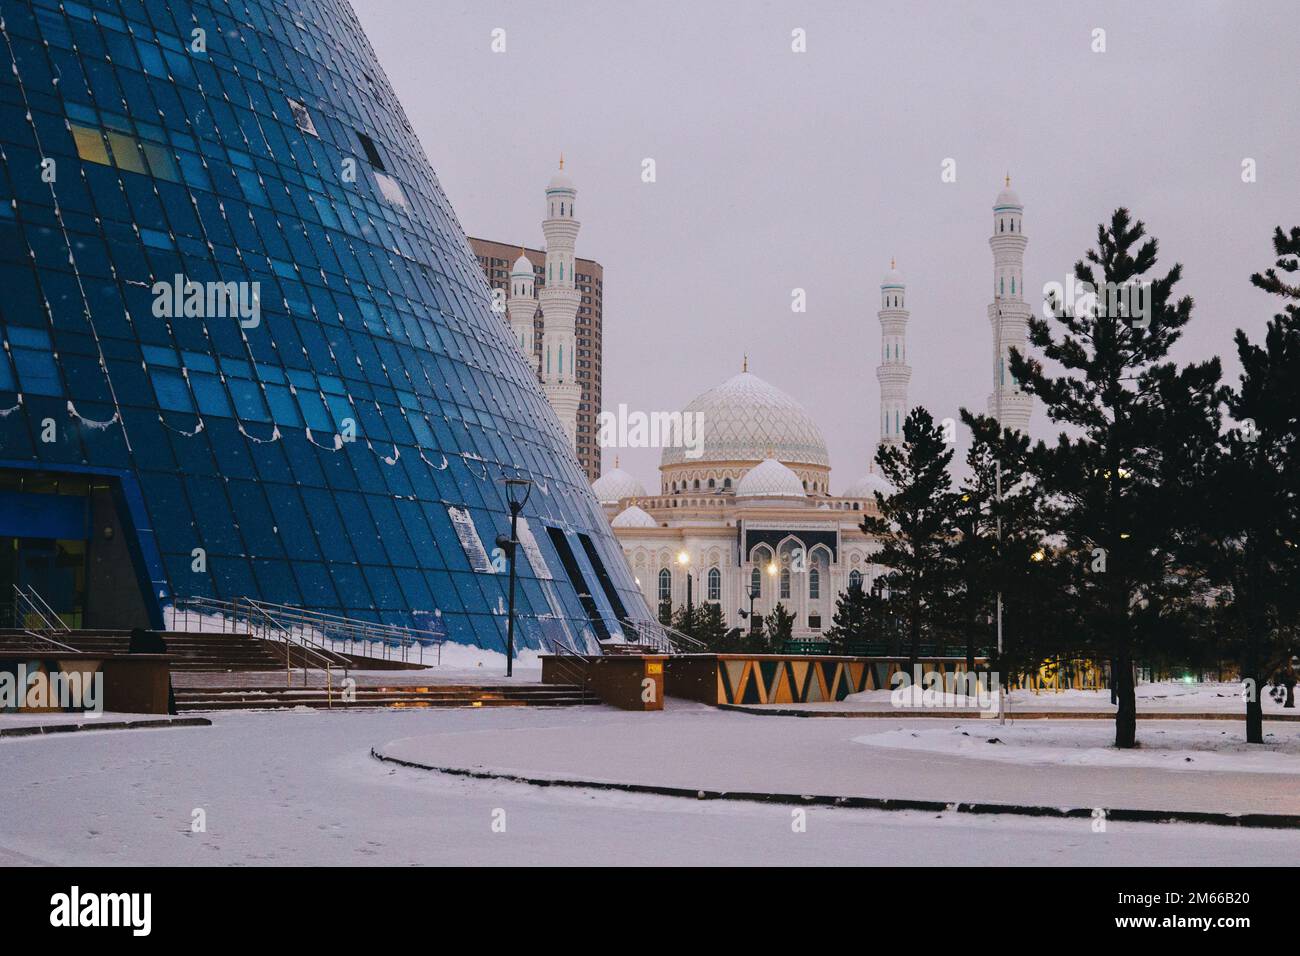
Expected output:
{"points": [[751, 521]]}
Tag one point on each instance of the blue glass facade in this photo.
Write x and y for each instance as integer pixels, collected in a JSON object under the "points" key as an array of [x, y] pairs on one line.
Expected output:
{"points": [[233, 294]]}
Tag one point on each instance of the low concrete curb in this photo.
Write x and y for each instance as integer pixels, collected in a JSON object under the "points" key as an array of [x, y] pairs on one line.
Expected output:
{"points": [[40, 730], [1256, 820], [769, 711]]}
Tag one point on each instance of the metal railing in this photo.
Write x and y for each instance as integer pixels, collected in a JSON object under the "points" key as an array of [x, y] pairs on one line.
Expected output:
{"points": [[571, 666], [329, 633], [28, 609], [661, 637]]}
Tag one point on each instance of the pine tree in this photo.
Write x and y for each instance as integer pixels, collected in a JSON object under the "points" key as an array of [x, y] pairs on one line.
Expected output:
{"points": [[778, 628], [1253, 510], [914, 524], [998, 546], [1120, 479], [687, 620], [711, 629], [853, 621]]}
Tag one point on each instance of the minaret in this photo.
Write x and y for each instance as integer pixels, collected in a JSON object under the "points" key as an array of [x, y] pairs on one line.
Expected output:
{"points": [[522, 307], [1009, 312], [559, 298], [893, 372]]}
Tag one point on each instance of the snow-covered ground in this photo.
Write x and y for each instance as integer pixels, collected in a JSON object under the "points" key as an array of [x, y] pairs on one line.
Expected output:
{"points": [[1165, 697], [1181, 746], [281, 788], [36, 719]]}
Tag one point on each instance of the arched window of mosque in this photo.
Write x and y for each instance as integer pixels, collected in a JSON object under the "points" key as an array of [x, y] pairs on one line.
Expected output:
{"points": [[756, 582], [726, 482], [715, 584], [711, 484], [814, 584], [855, 578], [697, 484], [665, 585], [1002, 285], [785, 584], [1013, 285]]}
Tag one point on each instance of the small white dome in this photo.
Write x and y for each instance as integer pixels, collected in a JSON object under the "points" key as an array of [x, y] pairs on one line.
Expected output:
{"points": [[892, 278], [560, 181], [770, 479], [523, 267], [633, 517], [1008, 197], [615, 485], [867, 486]]}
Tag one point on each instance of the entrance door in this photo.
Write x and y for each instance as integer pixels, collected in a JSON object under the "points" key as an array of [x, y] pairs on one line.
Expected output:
{"points": [[56, 570]]}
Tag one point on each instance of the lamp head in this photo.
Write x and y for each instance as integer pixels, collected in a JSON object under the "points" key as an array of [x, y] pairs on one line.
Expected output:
{"points": [[517, 492]]}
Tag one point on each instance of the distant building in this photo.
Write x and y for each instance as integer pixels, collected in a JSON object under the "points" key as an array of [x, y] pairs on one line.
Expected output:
{"points": [[556, 317]]}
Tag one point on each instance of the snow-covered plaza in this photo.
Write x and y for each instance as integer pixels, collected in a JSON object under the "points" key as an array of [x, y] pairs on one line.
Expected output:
{"points": [[303, 787]]}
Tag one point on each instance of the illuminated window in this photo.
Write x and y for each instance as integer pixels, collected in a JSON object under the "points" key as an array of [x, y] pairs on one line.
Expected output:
{"points": [[90, 144]]}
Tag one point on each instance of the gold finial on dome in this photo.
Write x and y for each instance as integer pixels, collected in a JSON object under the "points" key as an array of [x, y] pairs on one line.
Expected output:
{"points": [[561, 160], [891, 262], [616, 461], [1008, 180], [744, 365]]}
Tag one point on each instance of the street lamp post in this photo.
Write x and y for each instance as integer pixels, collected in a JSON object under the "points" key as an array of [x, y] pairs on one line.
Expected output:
{"points": [[751, 594], [515, 487], [684, 559]]}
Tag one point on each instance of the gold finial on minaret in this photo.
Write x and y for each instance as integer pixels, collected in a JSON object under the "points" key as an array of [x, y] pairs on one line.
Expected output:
{"points": [[891, 262], [1008, 180], [744, 365], [616, 461], [561, 160]]}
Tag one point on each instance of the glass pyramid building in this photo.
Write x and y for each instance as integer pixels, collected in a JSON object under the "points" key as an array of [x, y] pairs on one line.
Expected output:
{"points": [[246, 349]]}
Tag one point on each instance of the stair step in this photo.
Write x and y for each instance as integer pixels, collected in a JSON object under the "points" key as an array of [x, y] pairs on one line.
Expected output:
{"points": [[323, 702]]}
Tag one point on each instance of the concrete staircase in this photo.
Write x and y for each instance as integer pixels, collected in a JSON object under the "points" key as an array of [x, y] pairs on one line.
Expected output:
{"points": [[246, 697]]}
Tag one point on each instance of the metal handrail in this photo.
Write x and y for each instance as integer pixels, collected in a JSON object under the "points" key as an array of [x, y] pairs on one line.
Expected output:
{"points": [[570, 662], [37, 605], [55, 620], [665, 639], [314, 628], [49, 640]]}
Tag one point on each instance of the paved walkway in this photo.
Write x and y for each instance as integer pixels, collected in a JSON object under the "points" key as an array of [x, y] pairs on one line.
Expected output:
{"points": [[698, 747], [302, 788]]}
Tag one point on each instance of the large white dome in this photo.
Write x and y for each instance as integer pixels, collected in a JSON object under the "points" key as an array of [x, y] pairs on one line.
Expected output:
{"points": [[615, 485], [770, 479], [746, 419]]}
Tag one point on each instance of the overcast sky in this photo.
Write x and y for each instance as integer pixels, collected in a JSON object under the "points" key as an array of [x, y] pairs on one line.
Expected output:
{"points": [[778, 170]]}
